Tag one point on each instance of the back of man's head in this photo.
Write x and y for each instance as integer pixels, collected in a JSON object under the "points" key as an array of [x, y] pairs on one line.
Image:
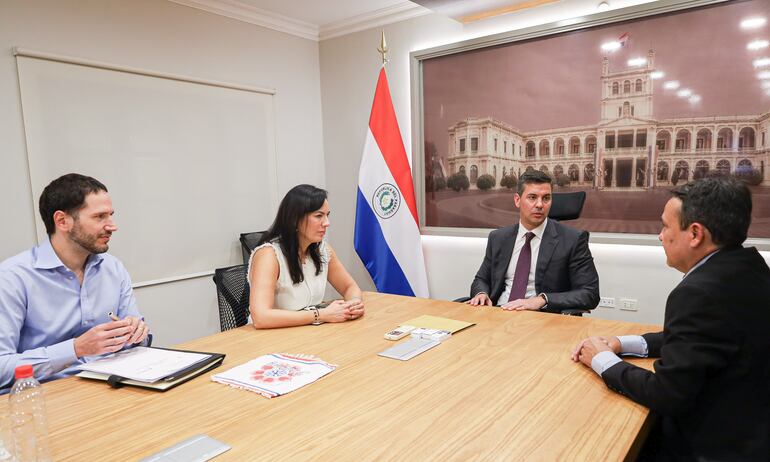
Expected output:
{"points": [[68, 194], [721, 204], [532, 177]]}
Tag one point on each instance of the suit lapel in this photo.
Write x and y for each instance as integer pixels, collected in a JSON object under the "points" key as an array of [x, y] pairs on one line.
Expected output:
{"points": [[547, 246], [504, 259]]}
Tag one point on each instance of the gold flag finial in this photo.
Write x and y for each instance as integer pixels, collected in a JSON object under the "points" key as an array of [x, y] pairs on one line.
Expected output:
{"points": [[383, 49]]}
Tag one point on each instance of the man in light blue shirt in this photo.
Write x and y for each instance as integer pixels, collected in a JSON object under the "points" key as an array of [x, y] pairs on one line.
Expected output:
{"points": [[56, 298]]}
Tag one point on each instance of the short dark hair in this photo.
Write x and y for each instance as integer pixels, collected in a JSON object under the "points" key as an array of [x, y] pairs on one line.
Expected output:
{"points": [[530, 177], [298, 202], [68, 194], [721, 204]]}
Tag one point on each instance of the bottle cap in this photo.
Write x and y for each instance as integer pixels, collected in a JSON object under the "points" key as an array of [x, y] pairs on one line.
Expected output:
{"points": [[24, 372]]}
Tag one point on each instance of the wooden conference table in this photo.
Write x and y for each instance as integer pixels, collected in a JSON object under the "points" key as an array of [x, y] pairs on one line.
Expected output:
{"points": [[504, 389]]}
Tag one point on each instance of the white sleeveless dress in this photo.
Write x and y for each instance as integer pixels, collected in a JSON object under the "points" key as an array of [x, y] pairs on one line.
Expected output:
{"points": [[295, 297]]}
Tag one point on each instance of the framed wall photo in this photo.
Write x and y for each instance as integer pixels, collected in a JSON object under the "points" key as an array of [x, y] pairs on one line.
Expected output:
{"points": [[623, 106]]}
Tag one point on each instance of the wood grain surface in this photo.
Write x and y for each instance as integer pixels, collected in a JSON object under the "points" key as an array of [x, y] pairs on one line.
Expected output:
{"points": [[504, 389]]}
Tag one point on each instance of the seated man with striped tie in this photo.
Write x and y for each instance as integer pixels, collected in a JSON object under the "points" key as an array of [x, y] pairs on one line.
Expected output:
{"points": [[538, 264]]}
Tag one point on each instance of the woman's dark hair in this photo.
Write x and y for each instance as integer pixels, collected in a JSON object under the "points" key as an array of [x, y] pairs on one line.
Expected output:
{"points": [[298, 202], [68, 194]]}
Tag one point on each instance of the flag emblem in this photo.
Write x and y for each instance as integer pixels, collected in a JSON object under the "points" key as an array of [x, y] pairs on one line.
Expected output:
{"points": [[386, 200]]}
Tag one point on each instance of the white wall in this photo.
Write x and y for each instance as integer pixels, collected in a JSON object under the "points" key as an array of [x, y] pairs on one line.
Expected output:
{"points": [[162, 36]]}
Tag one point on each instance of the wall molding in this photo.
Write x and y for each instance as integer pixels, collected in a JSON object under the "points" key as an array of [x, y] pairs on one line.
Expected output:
{"points": [[376, 18], [253, 15], [182, 277], [28, 53], [242, 12]]}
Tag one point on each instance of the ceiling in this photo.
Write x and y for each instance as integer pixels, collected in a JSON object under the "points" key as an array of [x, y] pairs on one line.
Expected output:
{"points": [[466, 11], [312, 19], [322, 12], [322, 19]]}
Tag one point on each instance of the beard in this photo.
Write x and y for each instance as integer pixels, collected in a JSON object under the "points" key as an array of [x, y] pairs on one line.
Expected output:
{"points": [[88, 241]]}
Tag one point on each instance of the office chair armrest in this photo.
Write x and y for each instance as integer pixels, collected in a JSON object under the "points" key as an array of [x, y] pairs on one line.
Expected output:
{"points": [[575, 312]]}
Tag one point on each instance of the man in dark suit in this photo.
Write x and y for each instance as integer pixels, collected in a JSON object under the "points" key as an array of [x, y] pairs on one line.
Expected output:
{"points": [[538, 264], [711, 385]]}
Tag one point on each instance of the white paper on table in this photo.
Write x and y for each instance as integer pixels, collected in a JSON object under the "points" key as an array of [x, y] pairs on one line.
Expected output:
{"points": [[275, 374], [144, 364]]}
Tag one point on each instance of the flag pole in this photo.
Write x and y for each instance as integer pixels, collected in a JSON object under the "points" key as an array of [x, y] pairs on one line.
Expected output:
{"points": [[383, 48]]}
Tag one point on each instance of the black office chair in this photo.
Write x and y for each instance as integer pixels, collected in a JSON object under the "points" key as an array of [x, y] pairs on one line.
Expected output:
{"points": [[564, 206], [233, 296], [567, 205], [249, 243]]}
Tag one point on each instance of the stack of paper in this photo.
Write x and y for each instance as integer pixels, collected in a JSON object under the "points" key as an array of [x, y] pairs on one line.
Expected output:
{"points": [[275, 374], [145, 364]]}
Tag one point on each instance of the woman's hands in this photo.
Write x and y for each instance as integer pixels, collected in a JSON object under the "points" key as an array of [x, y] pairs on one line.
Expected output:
{"points": [[341, 310]]}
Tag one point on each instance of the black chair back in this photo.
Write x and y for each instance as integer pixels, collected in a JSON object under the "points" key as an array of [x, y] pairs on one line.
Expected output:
{"points": [[567, 206], [249, 243], [233, 296]]}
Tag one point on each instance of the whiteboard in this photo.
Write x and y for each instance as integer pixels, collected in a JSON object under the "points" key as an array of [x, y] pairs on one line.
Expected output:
{"points": [[189, 164]]}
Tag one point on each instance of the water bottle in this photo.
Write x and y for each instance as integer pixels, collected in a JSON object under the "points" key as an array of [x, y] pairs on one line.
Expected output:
{"points": [[28, 420]]}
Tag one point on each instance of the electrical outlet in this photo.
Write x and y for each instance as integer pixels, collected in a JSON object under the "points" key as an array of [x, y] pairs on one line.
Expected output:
{"points": [[628, 304], [607, 302]]}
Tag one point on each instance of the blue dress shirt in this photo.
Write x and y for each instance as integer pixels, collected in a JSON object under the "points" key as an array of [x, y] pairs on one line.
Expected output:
{"points": [[43, 307]]}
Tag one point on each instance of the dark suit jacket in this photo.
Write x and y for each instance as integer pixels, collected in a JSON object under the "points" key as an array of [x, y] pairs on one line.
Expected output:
{"points": [[711, 385], [565, 269]]}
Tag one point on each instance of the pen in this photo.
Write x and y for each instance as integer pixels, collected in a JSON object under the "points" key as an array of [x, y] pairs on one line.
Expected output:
{"points": [[113, 317]]}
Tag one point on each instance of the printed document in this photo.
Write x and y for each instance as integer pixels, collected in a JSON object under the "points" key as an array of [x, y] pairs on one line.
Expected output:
{"points": [[144, 364]]}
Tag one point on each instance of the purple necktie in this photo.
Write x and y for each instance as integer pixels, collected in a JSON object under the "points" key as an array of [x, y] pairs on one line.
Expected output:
{"points": [[521, 276]]}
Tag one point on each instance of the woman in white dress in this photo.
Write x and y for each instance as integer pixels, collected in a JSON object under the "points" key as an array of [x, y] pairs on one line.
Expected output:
{"points": [[288, 271]]}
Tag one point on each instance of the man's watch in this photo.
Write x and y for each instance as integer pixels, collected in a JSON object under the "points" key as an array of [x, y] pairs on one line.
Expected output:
{"points": [[544, 297]]}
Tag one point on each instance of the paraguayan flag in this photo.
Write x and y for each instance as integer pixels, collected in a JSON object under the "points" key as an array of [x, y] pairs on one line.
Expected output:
{"points": [[387, 234]]}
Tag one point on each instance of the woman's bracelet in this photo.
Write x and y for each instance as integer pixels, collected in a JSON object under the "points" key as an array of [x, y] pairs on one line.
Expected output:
{"points": [[316, 317]]}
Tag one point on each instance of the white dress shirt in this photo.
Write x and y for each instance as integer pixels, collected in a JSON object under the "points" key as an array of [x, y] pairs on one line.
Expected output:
{"points": [[630, 345], [534, 245]]}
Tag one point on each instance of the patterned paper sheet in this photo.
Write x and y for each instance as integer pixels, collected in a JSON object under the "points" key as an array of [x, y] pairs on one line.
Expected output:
{"points": [[275, 374]]}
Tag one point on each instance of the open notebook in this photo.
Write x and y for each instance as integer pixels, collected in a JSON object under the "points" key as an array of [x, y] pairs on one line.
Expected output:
{"points": [[150, 367]]}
